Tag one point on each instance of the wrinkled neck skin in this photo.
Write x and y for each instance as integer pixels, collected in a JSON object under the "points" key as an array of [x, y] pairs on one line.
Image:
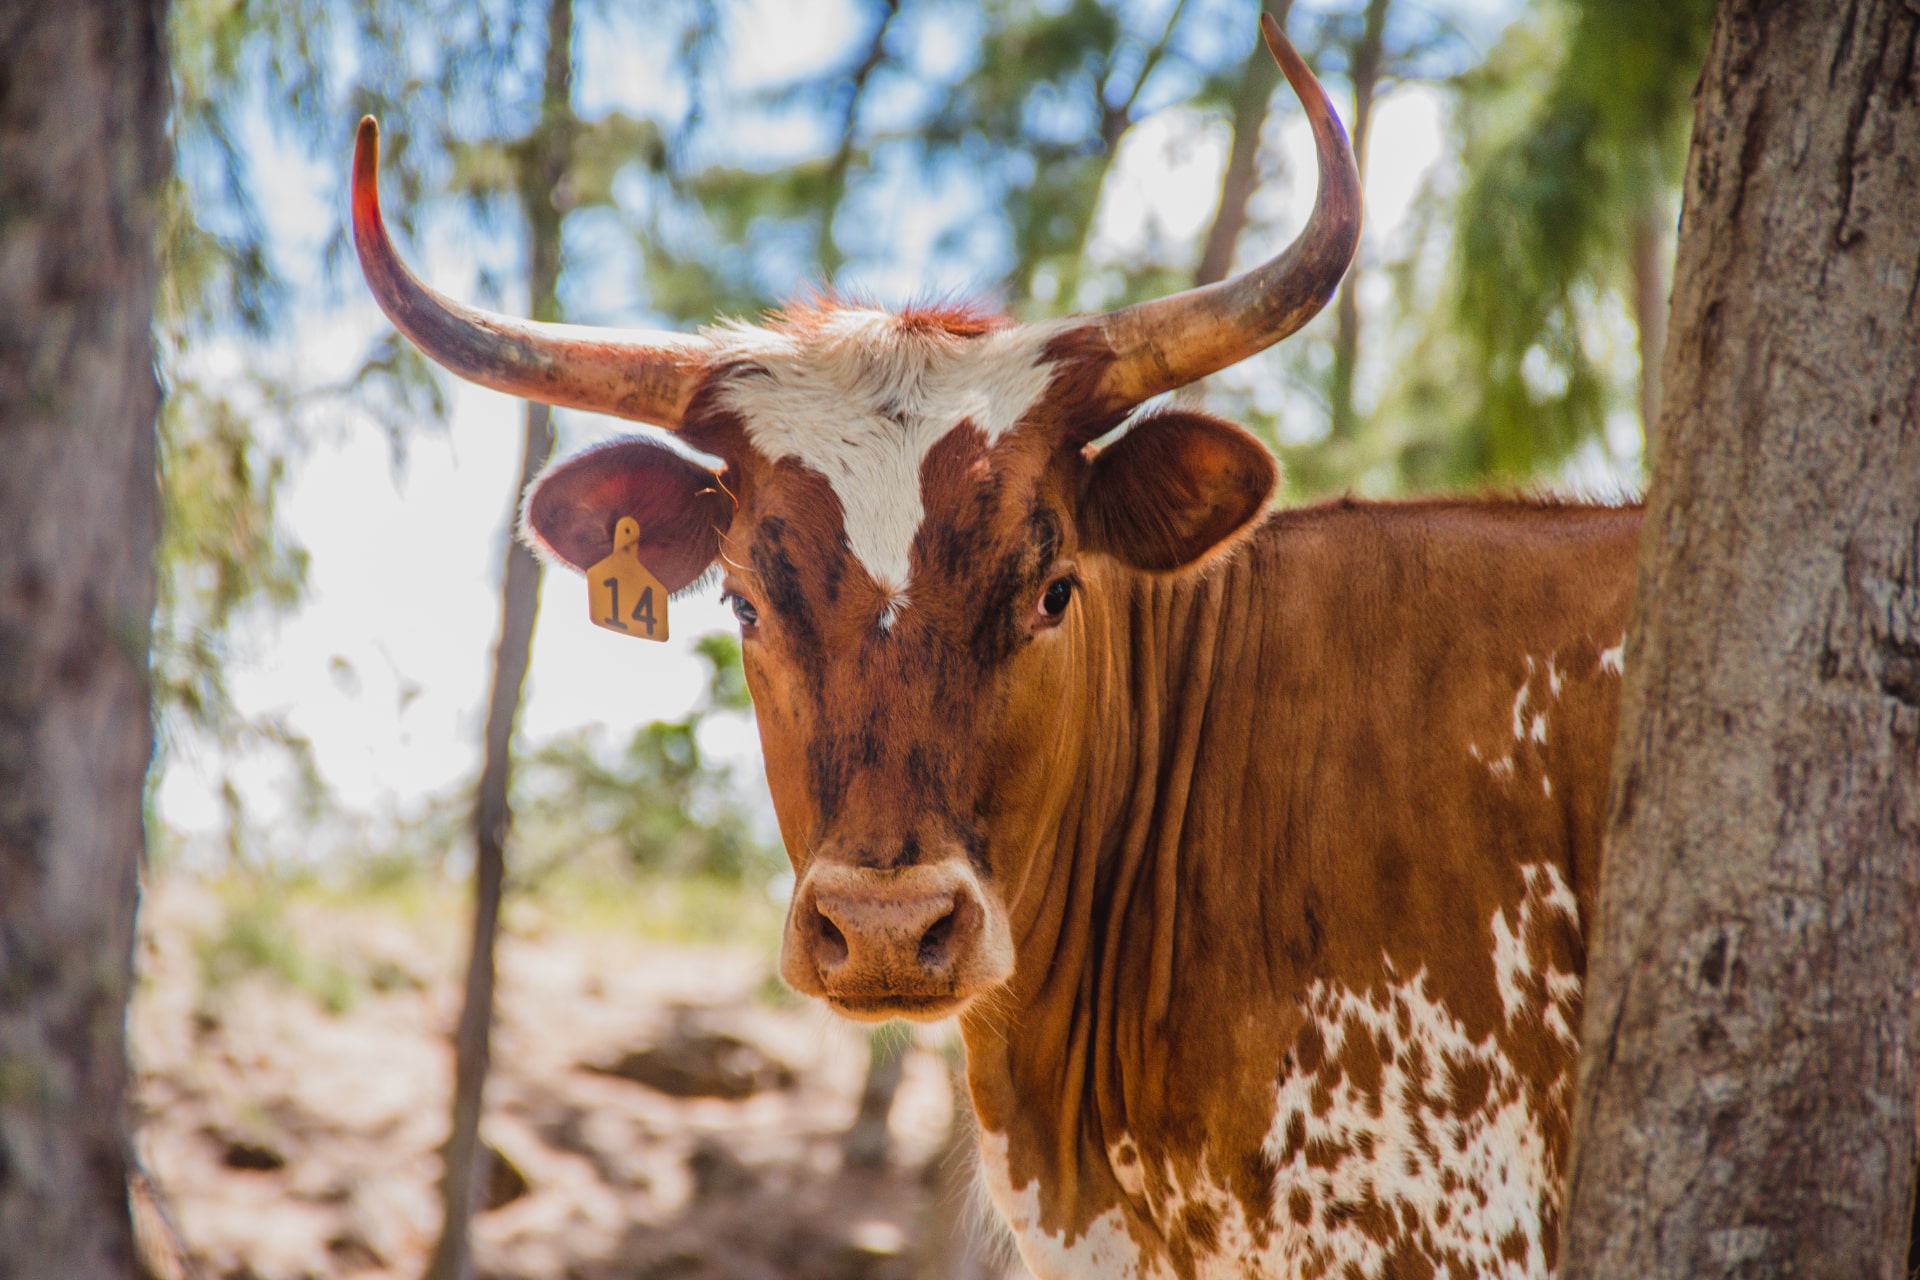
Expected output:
{"points": [[1296, 817], [1067, 1066]]}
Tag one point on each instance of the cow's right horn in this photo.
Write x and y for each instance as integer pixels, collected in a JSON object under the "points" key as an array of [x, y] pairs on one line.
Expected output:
{"points": [[1169, 342], [638, 374]]}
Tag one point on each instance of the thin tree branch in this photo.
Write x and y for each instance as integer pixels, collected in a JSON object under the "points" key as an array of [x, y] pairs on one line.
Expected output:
{"points": [[826, 250]]}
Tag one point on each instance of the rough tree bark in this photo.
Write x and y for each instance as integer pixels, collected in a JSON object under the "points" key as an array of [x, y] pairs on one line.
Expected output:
{"points": [[543, 157], [83, 91], [1747, 1085]]}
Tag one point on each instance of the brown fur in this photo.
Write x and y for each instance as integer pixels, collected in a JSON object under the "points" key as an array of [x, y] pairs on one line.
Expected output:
{"points": [[1296, 803], [1262, 790]]}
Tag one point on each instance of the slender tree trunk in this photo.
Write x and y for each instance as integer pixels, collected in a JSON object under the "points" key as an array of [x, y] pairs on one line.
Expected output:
{"points": [[1747, 1081], [868, 1140], [1651, 286], [1367, 56], [961, 1237], [546, 156], [83, 89], [1251, 99]]}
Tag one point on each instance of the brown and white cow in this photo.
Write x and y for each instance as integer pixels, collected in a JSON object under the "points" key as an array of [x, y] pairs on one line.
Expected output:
{"points": [[1252, 848]]}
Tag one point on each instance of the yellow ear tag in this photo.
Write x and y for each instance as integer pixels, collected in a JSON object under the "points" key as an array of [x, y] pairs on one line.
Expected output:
{"points": [[622, 595]]}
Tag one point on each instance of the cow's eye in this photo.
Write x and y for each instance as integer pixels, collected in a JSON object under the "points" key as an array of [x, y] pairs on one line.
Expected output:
{"points": [[743, 609], [1053, 601]]}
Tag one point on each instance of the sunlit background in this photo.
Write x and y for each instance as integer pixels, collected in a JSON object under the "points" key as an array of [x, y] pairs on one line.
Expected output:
{"points": [[377, 660], [338, 511]]}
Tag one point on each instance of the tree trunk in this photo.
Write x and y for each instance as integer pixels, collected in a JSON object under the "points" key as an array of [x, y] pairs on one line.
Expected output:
{"points": [[546, 159], [1251, 99], [83, 89], [868, 1139], [961, 1238], [1365, 63], [1747, 1081]]}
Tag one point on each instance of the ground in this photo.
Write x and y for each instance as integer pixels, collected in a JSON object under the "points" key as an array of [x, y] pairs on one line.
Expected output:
{"points": [[294, 1068]]}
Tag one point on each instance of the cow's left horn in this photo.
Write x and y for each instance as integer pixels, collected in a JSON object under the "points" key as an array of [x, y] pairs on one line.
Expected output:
{"points": [[1171, 341], [637, 374]]}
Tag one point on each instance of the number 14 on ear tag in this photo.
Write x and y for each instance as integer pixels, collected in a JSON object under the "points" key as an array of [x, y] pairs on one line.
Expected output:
{"points": [[624, 597]]}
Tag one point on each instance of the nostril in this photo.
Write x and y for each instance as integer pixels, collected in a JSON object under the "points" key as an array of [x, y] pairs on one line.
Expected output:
{"points": [[832, 950], [934, 942]]}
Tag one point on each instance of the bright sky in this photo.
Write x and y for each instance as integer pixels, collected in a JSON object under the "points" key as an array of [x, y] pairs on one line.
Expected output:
{"points": [[385, 666]]}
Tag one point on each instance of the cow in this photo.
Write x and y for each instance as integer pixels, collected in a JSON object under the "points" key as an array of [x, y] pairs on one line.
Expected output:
{"points": [[1253, 849]]}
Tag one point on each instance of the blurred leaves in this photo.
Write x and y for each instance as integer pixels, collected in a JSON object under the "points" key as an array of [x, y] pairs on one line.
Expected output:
{"points": [[942, 141], [656, 805], [247, 72], [1571, 137], [221, 551], [256, 938]]}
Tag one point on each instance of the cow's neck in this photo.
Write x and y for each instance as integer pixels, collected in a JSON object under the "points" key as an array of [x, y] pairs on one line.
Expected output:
{"points": [[1330, 826], [1059, 1071]]}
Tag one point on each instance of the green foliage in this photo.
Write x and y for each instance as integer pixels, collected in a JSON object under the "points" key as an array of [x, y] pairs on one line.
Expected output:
{"points": [[221, 550], [726, 679], [255, 937], [657, 805], [228, 440], [223, 554], [1569, 137], [451, 79], [1048, 87], [1020, 138], [1572, 135]]}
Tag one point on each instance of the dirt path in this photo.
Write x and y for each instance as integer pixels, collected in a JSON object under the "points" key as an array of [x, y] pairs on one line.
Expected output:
{"points": [[288, 1141]]}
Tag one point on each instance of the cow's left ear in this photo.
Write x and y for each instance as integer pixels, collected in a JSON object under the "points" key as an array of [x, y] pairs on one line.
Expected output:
{"points": [[1173, 488], [681, 508]]}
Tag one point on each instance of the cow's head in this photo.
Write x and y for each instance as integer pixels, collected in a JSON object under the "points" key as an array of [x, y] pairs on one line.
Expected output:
{"points": [[915, 533]]}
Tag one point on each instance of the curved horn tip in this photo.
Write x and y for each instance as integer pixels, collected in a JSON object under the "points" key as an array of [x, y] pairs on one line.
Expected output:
{"points": [[366, 160], [1288, 58], [1269, 27]]}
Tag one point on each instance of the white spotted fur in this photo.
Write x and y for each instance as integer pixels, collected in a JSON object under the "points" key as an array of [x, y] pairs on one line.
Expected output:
{"points": [[1547, 893], [1104, 1251], [1498, 1154], [862, 399], [1529, 718]]}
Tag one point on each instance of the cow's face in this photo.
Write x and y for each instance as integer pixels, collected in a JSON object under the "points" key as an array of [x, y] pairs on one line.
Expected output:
{"points": [[920, 552], [925, 558]]}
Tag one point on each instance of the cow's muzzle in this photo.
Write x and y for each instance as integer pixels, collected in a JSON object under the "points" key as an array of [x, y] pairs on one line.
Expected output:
{"points": [[912, 942]]}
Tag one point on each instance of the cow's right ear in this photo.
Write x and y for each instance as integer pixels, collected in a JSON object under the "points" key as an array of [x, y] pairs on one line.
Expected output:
{"points": [[681, 507], [1173, 489]]}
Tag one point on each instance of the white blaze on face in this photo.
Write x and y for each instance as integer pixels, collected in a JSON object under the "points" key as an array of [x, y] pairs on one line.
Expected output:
{"points": [[862, 399]]}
